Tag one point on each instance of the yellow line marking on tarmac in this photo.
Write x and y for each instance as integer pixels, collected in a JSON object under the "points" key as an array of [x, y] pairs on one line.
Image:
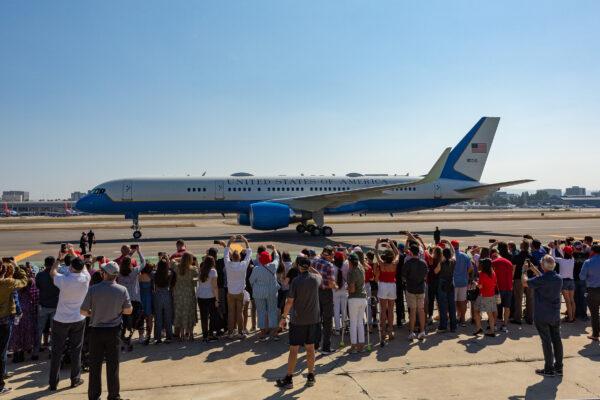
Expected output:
{"points": [[27, 254]]}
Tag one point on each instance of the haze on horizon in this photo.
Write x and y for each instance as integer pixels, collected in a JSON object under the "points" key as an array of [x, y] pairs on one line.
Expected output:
{"points": [[93, 92]]}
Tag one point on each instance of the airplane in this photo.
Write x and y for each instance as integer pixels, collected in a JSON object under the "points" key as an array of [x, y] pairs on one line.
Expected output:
{"points": [[275, 202], [68, 212], [6, 212]]}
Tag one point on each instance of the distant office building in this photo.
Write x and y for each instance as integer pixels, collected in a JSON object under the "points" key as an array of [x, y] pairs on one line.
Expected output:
{"points": [[76, 196], [551, 192], [575, 191], [596, 194], [15, 196]]}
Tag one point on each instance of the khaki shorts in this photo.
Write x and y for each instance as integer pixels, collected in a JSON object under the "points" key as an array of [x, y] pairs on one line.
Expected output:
{"points": [[460, 293], [416, 301]]}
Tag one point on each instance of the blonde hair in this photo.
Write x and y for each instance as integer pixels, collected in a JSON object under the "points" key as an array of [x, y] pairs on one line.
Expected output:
{"points": [[548, 263]]}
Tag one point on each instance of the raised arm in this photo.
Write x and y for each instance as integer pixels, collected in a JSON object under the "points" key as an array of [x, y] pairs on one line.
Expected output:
{"points": [[377, 257]]}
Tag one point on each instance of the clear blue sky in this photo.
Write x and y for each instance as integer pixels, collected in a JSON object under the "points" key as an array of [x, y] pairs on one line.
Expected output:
{"points": [[92, 91]]}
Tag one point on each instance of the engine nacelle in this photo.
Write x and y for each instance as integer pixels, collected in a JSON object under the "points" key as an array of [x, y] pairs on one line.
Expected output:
{"points": [[266, 216], [243, 219]]}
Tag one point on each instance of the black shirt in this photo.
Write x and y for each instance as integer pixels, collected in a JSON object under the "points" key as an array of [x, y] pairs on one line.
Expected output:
{"points": [[447, 270], [292, 273], [519, 261], [221, 276], [48, 296], [414, 272], [580, 257]]}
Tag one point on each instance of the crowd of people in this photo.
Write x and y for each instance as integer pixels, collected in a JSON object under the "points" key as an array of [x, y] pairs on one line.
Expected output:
{"points": [[86, 309]]}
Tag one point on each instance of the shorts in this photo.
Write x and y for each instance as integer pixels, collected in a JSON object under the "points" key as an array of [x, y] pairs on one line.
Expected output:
{"points": [[486, 304], [386, 291], [460, 293], [300, 335], [505, 298], [415, 301], [568, 284]]}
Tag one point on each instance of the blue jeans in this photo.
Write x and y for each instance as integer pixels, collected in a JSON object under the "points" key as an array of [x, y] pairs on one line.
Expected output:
{"points": [[163, 307], [446, 305], [580, 302], [5, 332], [267, 312], [44, 315]]}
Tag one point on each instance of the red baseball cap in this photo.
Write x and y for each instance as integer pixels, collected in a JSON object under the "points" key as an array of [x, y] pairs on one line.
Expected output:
{"points": [[455, 243], [338, 255], [568, 250], [264, 258]]}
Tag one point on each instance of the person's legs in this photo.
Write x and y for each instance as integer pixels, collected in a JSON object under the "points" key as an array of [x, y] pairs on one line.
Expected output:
{"points": [[383, 316], [344, 306], [529, 299], [4, 338], [390, 316], [557, 346], [159, 311], [261, 313], [517, 315], [572, 301], [112, 364], [451, 310], [239, 305], [59, 337], [431, 295], [360, 321], [354, 309], [421, 312], [252, 314], [326, 299], [76, 333], [44, 314], [337, 310], [593, 299], [231, 317], [443, 308], [310, 358], [292, 358], [580, 301], [544, 331], [168, 320], [96, 360], [272, 313], [203, 305], [565, 294], [214, 317]]}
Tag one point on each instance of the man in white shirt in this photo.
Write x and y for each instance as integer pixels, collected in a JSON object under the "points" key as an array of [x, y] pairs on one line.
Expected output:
{"points": [[235, 269], [68, 321]]}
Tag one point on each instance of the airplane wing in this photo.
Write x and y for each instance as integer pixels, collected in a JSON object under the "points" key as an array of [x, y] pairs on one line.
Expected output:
{"points": [[484, 190], [328, 200]]}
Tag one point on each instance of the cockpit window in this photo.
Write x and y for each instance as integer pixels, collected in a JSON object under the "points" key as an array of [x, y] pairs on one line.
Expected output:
{"points": [[98, 191]]}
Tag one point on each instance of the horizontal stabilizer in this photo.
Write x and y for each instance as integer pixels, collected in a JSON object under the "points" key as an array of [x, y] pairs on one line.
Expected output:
{"points": [[484, 190]]}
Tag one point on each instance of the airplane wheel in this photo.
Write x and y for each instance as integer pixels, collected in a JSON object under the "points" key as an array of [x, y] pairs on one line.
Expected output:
{"points": [[311, 227], [300, 228], [316, 232], [137, 234], [327, 231]]}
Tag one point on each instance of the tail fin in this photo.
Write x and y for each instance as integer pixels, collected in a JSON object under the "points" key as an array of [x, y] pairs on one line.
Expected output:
{"points": [[467, 159]]}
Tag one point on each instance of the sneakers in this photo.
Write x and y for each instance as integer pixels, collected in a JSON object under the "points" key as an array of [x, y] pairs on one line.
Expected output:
{"points": [[412, 336], [504, 329], [544, 372], [5, 390], [478, 332], [76, 383], [310, 379], [326, 352], [285, 383], [421, 336]]}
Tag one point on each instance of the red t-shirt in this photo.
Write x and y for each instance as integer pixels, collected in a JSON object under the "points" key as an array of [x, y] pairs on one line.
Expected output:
{"points": [[504, 273], [369, 273], [488, 285], [120, 260]]}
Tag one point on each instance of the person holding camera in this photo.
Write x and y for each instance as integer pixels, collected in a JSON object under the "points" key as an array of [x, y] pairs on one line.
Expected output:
{"points": [[414, 274], [11, 278], [235, 269], [547, 287], [385, 274], [323, 265], [68, 321]]}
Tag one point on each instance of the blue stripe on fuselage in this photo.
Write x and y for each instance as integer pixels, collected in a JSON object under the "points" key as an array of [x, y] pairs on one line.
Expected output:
{"points": [[102, 204]]}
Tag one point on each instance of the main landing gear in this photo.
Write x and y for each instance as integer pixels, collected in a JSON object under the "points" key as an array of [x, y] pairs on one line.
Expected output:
{"points": [[314, 230], [137, 233]]}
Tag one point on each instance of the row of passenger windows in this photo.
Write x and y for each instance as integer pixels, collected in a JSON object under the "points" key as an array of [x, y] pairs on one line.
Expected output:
{"points": [[284, 189]]}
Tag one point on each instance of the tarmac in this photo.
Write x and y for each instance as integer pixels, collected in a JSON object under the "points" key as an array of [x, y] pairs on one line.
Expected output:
{"points": [[444, 366]]}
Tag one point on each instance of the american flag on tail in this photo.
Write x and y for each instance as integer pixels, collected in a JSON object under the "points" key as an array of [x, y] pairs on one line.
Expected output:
{"points": [[478, 147]]}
